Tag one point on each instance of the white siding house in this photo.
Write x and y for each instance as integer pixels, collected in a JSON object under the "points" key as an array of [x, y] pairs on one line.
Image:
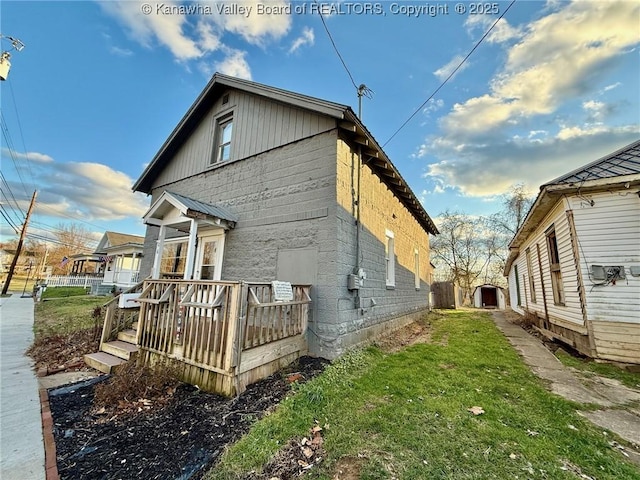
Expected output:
{"points": [[574, 265]]}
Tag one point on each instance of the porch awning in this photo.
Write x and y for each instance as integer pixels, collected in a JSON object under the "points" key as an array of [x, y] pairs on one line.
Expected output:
{"points": [[174, 209]]}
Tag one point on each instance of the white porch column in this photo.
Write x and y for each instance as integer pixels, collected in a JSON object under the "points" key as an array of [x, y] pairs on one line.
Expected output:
{"points": [[191, 250], [155, 272]]}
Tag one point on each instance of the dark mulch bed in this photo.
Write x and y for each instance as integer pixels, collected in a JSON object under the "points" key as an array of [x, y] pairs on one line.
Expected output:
{"points": [[181, 441]]}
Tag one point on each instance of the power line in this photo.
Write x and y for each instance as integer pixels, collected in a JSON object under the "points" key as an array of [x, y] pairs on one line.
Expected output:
{"points": [[26, 152], [101, 227], [7, 137], [335, 47], [14, 227], [451, 74], [8, 187]]}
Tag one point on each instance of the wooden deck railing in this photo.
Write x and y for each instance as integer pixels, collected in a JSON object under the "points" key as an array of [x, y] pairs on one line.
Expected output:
{"points": [[117, 319], [208, 324], [267, 320]]}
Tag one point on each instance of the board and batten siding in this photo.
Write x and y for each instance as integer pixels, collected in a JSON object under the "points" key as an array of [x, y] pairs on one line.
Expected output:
{"points": [[609, 235], [570, 314], [259, 125]]}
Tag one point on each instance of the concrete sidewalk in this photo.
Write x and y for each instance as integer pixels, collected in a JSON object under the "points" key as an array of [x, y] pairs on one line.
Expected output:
{"points": [[21, 439], [617, 414]]}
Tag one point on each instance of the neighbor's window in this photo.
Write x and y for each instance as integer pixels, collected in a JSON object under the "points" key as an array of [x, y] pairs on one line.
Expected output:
{"points": [[224, 131], [416, 260], [390, 259], [532, 285], [554, 267], [517, 284], [174, 259]]}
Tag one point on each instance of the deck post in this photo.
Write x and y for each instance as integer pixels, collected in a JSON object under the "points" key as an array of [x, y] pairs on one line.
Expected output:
{"points": [[234, 313]]}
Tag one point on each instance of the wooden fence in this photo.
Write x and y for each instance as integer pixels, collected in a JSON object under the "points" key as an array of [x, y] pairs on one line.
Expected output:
{"points": [[227, 334]]}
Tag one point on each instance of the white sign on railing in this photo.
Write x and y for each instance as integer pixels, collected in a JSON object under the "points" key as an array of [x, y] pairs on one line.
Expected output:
{"points": [[282, 291]]}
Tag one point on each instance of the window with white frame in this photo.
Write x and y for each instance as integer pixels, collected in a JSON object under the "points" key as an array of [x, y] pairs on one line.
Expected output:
{"points": [[532, 285], [390, 259], [554, 266], [224, 132], [416, 261], [174, 258]]}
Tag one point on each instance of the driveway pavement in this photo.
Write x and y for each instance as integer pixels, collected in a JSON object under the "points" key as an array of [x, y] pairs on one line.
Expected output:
{"points": [[21, 439], [619, 411]]}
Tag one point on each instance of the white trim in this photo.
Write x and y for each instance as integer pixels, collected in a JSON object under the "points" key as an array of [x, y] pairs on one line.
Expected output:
{"points": [[157, 261], [390, 259], [416, 266], [219, 236], [191, 250]]}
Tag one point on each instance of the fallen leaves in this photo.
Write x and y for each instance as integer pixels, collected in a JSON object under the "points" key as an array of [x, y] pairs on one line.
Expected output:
{"points": [[476, 410]]}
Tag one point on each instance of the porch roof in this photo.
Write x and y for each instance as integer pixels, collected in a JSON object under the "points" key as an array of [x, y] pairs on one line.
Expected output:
{"points": [[188, 208]]}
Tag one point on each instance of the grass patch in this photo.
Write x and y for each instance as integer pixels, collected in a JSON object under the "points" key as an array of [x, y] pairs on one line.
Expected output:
{"points": [[405, 415], [61, 292], [609, 370], [66, 315]]}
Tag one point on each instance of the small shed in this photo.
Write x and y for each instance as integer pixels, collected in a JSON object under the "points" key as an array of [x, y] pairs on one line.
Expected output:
{"points": [[489, 296]]}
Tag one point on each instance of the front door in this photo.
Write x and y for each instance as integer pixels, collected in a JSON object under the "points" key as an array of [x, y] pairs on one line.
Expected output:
{"points": [[209, 257]]}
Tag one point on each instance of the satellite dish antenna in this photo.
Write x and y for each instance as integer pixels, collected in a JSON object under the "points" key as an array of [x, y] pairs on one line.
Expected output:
{"points": [[5, 56]]}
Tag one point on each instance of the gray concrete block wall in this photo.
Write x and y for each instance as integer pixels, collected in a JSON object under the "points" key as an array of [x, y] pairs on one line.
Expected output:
{"points": [[284, 199]]}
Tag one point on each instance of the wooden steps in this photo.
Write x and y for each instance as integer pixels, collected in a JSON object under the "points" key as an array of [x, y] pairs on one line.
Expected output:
{"points": [[115, 353]]}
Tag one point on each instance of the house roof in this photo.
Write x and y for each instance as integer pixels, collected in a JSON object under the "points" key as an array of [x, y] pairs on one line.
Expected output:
{"points": [[620, 169], [348, 122], [188, 208], [114, 239], [625, 161]]}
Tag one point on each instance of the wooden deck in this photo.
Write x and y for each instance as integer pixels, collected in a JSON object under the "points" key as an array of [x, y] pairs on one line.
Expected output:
{"points": [[224, 335]]}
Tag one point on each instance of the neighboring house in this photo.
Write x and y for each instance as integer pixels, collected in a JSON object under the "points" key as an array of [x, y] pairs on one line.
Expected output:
{"points": [[574, 265], [260, 184], [117, 260], [489, 296]]}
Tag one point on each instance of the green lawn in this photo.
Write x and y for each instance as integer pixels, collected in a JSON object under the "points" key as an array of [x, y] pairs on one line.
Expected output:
{"points": [[66, 315], [589, 367], [404, 416]]}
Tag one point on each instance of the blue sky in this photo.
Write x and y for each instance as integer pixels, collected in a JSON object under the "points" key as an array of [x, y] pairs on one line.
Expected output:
{"points": [[100, 85]]}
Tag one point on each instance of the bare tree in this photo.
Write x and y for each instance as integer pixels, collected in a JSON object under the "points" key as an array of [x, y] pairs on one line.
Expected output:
{"points": [[460, 249], [71, 239]]}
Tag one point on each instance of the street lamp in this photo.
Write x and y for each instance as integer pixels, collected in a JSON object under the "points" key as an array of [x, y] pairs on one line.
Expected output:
{"points": [[5, 64]]}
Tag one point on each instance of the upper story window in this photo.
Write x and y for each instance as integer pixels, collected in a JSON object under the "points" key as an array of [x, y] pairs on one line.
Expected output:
{"points": [[224, 133]]}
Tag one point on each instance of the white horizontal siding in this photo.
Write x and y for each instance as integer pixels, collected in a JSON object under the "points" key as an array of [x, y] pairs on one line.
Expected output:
{"points": [[513, 286], [571, 311], [609, 235]]}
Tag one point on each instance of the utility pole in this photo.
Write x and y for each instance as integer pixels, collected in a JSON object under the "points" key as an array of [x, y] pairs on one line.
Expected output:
{"points": [[20, 242]]}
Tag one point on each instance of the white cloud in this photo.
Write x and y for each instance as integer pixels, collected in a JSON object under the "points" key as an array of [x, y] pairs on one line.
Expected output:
{"points": [[443, 72], [433, 105], [121, 52], [611, 87], [235, 64], [168, 30], [577, 41], [189, 37], [254, 28], [30, 156], [489, 169], [478, 24], [306, 38]]}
